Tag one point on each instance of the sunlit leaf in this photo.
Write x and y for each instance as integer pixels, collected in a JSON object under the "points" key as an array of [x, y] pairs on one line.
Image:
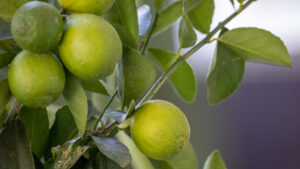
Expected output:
{"points": [[94, 86], [214, 161]]}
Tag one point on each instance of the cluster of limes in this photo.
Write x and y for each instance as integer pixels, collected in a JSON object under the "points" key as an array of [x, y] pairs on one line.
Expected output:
{"points": [[89, 48]]}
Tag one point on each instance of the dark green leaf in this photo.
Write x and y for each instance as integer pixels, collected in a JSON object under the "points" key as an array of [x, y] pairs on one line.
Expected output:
{"points": [[3, 73], [168, 16], [125, 35], [144, 19], [15, 149], [128, 13], [4, 30], [94, 86], [183, 79], [113, 149], [225, 75], [187, 35], [9, 45], [241, 1], [65, 156], [77, 101], [232, 2], [257, 45], [201, 16], [214, 161], [37, 126], [5, 95], [159, 4], [6, 58], [116, 115]]}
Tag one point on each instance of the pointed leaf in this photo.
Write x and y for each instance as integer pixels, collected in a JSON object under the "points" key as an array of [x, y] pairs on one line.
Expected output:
{"points": [[119, 116], [191, 4], [5, 95], [77, 101], [183, 79], [125, 35], [168, 16], [37, 126], [94, 86], [187, 35], [15, 149], [232, 3], [144, 19], [113, 149], [214, 161], [201, 16], [257, 45]]}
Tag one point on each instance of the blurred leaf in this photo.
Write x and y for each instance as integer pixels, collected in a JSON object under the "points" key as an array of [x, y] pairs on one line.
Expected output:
{"points": [[3, 73], [139, 159], [120, 80], [214, 161], [241, 1], [65, 156], [232, 2], [77, 101], [4, 96], [168, 16], [131, 108], [9, 45], [225, 75], [55, 4], [144, 19], [94, 86], [15, 149], [37, 127], [8, 8], [125, 36], [113, 149], [183, 78], [257, 45], [201, 16], [191, 4], [159, 4], [128, 14], [186, 159], [117, 115], [6, 58], [187, 35], [4, 29]]}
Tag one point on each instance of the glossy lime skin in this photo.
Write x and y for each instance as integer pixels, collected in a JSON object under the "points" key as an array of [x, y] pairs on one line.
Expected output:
{"points": [[90, 47], [36, 80], [86, 6], [160, 129], [37, 26], [139, 73]]}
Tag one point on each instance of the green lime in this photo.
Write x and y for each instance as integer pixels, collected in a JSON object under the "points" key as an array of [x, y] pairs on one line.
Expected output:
{"points": [[36, 80], [37, 26], [160, 129], [91, 47]]}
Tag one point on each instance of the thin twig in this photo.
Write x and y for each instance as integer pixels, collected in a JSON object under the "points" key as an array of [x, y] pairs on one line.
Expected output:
{"points": [[149, 35]]}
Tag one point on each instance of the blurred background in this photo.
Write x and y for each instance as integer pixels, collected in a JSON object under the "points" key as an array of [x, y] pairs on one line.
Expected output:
{"points": [[257, 127]]}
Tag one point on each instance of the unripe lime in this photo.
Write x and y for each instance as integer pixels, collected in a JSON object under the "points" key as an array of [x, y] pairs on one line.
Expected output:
{"points": [[36, 80], [86, 6], [160, 129], [139, 74], [91, 47], [37, 26]]}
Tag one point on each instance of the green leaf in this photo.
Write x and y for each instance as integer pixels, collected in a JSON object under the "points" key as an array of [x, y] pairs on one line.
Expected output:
{"points": [[187, 35], [128, 14], [5, 94], [15, 149], [126, 36], [214, 161], [37, 127], [65, 156], [9, 45], [159, 4], [186, 159], [3, 73], [63, 125], [4, 30], [191, 4], [6, 58], [232, 2], [168, 16], [8, 8], [113, 149], [77, 101], [225, 75], [201, 16], [183, 79], [117, 115], [241, 1], [257, 45], [120, 80], [94, 86]]}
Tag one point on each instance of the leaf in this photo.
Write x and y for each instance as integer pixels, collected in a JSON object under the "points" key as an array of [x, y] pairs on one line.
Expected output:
{"points": [[159, 4], [8, 8], [232, 3], [214, 161], [125, 35], [9, 45], [15, 149], [94, 86], [4, 30], [183, 79], [113, 149], [120, 80], [191, 4], [225, 75], [187, 35], [65, 156], [6, 58], [128, 14], [4, 96], [37, 127], [3, 73], [257, 45], [119, 116], [241, 1], [144, 19], [77, 101], [168, 16], [201, 16]]}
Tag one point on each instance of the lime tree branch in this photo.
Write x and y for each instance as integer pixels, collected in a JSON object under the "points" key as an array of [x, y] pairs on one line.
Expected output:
{"points": [[154, 89], [149, 35]]}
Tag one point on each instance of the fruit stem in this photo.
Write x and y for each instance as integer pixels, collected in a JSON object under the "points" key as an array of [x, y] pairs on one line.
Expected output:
{"points": [[151, 30], [154, 89], [106, 106]]}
